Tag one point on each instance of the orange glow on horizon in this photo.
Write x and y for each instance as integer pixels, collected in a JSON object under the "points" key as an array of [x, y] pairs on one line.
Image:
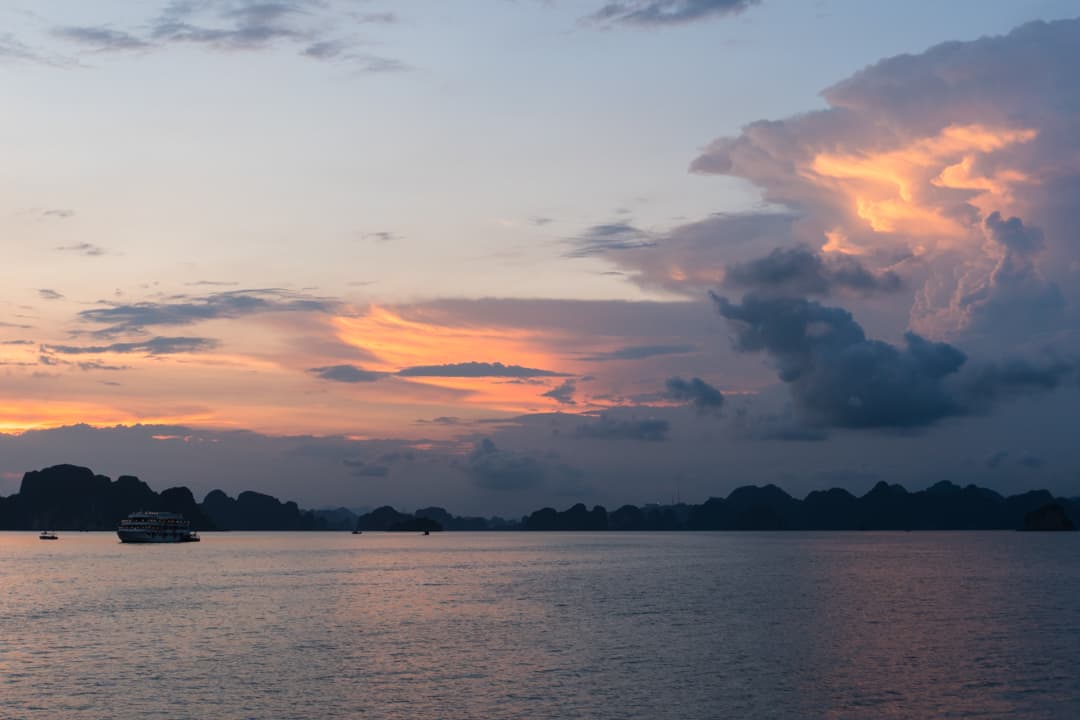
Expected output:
{"points": [[16, 419]]}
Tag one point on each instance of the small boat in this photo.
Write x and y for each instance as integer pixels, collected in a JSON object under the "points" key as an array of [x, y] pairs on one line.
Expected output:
{"points": [[47, 535], [427, 532], [358, 531]]}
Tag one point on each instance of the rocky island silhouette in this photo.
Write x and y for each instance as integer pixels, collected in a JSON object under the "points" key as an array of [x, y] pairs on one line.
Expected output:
{"points": [[70, 497]]}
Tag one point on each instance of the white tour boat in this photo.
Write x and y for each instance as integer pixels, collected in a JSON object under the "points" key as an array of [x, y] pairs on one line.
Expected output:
{"points": [[156, 527]]}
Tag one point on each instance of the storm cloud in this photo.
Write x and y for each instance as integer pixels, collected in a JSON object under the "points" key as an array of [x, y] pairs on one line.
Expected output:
{"points": [[801, 271], [919, 159], [839, 377], [703, 396]]}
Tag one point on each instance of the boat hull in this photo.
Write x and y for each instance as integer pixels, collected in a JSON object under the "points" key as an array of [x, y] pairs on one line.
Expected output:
{"points": [[145, 536]]}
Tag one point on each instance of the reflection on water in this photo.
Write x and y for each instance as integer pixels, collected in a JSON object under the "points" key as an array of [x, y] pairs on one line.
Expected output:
{"points": [[518, 625]]}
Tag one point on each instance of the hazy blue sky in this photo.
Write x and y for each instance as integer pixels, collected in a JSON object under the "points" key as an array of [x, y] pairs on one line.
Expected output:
{"points": [[508, 253]]}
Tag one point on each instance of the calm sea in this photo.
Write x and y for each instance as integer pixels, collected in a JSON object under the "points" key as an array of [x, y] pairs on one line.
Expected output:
{"points": [[553, 625]]}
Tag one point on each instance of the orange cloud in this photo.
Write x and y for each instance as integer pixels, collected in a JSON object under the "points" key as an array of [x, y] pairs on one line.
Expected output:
{"points": [[837, 242], [892, 191], [399, 342]]}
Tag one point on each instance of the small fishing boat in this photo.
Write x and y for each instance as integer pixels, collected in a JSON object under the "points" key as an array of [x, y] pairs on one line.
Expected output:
{"points": [[47, 535]]}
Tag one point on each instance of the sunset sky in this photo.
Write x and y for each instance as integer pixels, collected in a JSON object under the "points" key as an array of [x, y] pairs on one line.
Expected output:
{"points": [[502, 254]]}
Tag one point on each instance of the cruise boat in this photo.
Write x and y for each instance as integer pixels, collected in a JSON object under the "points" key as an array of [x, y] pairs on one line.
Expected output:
{"points": [[156, 527], [47, 535]]}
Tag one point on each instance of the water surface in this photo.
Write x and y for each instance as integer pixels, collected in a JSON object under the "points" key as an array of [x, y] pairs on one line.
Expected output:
{"points": [[544, 625]]}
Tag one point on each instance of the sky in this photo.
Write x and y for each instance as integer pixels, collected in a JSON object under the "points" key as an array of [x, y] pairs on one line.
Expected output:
{"points": [[504, 254]]}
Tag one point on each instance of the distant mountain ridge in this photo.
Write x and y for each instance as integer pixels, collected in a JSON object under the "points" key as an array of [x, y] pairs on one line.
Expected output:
{"points": [[69, 497]]}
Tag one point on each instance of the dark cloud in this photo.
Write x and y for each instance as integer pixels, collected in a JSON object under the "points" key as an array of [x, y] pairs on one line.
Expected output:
{"points": [[495, 469], [655, 13], [801, 271], [15, 325], [441, 420], [47, 294], [102, 39], [540, 221], [477, 369], [996, 459], [640, 352], [697, 392], [608, 428], [563, 393], [346, 374], [836, 375], [609, 237], [96, 365], [88, 249], [16, 342], [185, 310], [153, 346]]}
